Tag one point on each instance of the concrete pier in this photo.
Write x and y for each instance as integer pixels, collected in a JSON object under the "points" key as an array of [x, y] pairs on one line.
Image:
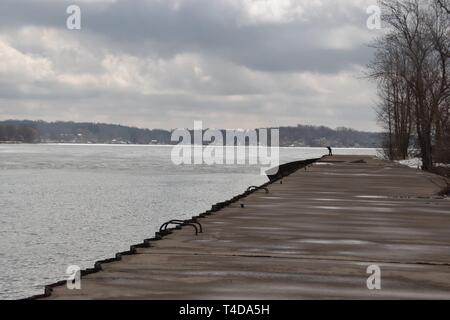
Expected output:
{"points": [[311, 237]]}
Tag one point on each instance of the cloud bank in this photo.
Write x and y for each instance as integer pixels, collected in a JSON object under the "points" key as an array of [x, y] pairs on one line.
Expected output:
{"points": [[166, 63]]}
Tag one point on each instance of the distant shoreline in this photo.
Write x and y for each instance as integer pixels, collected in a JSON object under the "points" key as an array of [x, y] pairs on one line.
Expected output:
{"points": [[97, 133], [161, 145]]}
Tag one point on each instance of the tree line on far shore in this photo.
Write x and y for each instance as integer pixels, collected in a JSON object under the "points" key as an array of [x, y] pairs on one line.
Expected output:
{"points": [[411, 67], [73, 132], [19, 133]]}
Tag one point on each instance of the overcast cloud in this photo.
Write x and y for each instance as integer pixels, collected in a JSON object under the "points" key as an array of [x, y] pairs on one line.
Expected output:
{"points": [[166, 63]]}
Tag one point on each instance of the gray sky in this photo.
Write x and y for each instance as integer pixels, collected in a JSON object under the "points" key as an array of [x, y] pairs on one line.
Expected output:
{"points": [[166, 63]]}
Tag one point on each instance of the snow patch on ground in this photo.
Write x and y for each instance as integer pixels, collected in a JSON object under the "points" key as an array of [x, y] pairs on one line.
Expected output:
{"points": [[417, 163], [412, 163]]}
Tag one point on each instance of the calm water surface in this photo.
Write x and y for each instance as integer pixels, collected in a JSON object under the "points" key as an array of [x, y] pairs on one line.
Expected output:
{"points": [[64, 205]]}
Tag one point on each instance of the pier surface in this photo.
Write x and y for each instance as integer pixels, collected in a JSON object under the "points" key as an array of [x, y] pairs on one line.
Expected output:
{"points": [[311, 237]]}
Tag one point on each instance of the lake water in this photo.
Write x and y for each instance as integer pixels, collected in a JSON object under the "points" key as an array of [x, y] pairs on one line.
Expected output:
{"points": [[64, 205]]}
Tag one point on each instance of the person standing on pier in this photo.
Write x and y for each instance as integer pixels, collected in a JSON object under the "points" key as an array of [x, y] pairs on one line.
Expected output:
{"points": [[330, 151]]}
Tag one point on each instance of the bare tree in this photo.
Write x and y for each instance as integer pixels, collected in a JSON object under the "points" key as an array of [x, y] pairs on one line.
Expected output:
{"points": [[412, 63], [439, 25], [394, 113]]}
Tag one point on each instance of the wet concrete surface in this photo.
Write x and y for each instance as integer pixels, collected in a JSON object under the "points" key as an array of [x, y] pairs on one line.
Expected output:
{"points": [[311, 237]]}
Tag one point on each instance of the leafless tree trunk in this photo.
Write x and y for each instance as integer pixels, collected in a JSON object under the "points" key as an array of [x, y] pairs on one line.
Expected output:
{"points": [[394, 112]]}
